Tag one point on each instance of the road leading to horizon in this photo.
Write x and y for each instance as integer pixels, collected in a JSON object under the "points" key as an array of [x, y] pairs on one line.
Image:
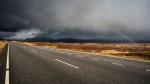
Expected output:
{"points": [[38, 65]]}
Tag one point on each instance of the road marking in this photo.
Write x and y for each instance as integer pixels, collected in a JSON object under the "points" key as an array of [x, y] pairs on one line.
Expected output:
{"points": [[67, 63], [80, 56], [95, 59], [7, 67], [147, 70], [24, 47], [118, 64], [70, 53], [33, 51]]}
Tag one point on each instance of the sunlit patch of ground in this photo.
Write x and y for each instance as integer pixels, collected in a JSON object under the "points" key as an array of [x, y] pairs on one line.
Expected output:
{"points": [[134, 51]]}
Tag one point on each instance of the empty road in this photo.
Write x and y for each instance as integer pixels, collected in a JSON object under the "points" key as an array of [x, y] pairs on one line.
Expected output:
{"points": [[38, 65]]}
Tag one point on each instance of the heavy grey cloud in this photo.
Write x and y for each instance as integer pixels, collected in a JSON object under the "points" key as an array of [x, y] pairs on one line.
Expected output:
{"points": [[101, 19], [25, 34], [11, 22]]}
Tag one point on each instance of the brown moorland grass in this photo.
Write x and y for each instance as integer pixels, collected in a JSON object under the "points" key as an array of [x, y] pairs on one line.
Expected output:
{"points": [[2, 44], [128, 50]]}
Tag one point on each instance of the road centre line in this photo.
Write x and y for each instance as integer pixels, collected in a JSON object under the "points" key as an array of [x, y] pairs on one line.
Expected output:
{"points": [[118, 64], [24, 47], [148, 70], [33, 51], [67, 63]]}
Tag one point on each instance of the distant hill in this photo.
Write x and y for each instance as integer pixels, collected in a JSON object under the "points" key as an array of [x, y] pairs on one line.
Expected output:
{"points": [[75, 40], [1, 38], [37, 39]]}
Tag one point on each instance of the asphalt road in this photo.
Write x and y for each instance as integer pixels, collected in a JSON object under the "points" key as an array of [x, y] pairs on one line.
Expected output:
{"points": [[38, 65]]}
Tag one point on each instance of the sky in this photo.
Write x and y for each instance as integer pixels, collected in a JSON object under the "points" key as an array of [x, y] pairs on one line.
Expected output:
{"points": [[79, 19]]}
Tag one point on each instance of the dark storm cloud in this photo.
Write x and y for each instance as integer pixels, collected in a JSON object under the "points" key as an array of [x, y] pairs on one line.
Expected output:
{"points": [[101, 19], [12, 23]]}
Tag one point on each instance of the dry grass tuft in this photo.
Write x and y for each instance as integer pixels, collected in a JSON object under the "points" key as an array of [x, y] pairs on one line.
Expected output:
{"points": [[2, 44]]}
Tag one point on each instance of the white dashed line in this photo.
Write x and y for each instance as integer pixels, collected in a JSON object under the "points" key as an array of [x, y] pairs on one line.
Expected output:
{"points": [[95, 59], [24, 47], [80, 56], [33, 51], [118, 64], [70, 53], [67, 64], [148, 70], [7, 68]]}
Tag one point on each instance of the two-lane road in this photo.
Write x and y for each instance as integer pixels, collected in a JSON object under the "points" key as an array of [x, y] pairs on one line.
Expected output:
{"points": [[35, 65]]}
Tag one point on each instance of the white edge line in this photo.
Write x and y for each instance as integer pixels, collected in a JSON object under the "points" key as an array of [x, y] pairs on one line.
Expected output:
{"points": [[67, 63], [7, 68], [117, 64]]}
